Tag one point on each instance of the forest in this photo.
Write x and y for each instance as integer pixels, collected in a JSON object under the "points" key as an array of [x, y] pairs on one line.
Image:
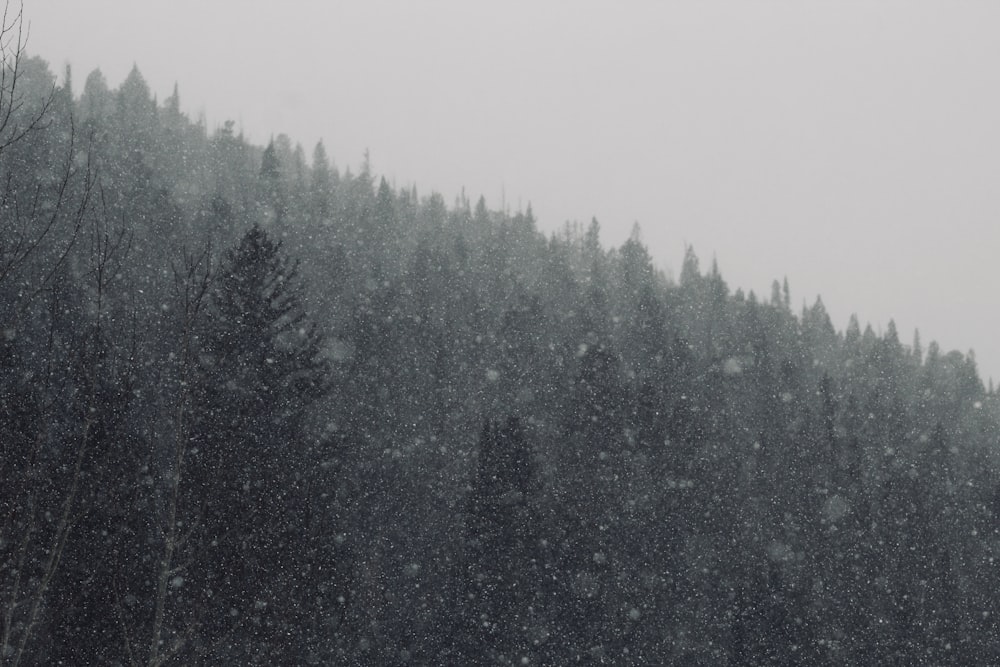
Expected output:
{"points": [[257, 408]]}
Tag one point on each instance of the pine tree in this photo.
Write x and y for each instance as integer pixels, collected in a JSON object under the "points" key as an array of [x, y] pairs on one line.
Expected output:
{"points": [[273, 198], [502, 558], [321, 187], [261, 368]]}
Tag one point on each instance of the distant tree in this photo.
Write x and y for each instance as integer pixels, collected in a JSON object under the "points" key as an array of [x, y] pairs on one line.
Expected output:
{"points": [[273, 197], [233, 171], [690, 271], [383, 224], [321, 188], [95, 102], [135, 112], [643, 321]]}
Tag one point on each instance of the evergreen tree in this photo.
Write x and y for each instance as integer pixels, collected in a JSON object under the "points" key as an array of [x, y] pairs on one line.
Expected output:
{"points": [[261, 367], [321, 188], [273, 197], [503, 562]]}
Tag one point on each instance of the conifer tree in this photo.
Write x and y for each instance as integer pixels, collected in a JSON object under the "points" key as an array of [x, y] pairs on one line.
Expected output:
{"points": [[261, 367], [502, 558], [273, 199]]}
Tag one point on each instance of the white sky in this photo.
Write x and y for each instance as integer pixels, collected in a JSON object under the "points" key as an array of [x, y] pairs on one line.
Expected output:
{"points": [[853, 146]]}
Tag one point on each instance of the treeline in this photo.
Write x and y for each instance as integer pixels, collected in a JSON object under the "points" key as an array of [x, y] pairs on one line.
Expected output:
{"points": [[258, 410]]}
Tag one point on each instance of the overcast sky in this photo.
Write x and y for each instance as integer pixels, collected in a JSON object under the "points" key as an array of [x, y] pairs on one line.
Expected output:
{"points": [[852, 146]]}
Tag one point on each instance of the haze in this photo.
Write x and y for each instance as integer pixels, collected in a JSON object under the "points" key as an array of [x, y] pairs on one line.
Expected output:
{"points": [[851, 146]]}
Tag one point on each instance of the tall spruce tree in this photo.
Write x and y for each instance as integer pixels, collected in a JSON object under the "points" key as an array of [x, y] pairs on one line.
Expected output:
{"points": [[503, 562], [261, 368]]}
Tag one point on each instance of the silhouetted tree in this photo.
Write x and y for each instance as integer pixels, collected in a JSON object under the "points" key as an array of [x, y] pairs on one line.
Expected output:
{"points": [[260, 367]]}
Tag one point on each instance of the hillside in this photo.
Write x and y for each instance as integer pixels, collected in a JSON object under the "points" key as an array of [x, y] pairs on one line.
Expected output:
{"points": [[259, 409]]}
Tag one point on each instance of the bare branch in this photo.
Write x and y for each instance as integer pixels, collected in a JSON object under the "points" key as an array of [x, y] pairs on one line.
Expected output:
{"points": [[192, 283]]}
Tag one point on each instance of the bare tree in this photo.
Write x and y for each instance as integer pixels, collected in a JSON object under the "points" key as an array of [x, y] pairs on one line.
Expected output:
{"points": [[191, 282], [15, 125], [43, 213], [108, 245]]}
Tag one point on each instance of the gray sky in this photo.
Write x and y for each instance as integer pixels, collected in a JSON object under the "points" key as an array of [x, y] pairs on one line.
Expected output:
{"points": [[852, 146]]}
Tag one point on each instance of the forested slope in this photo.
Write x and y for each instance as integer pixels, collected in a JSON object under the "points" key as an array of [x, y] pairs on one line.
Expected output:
{"points": [[256, 409]]}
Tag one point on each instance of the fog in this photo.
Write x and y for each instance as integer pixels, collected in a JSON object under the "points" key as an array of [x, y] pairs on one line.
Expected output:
{"points": [[852, 146]]}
